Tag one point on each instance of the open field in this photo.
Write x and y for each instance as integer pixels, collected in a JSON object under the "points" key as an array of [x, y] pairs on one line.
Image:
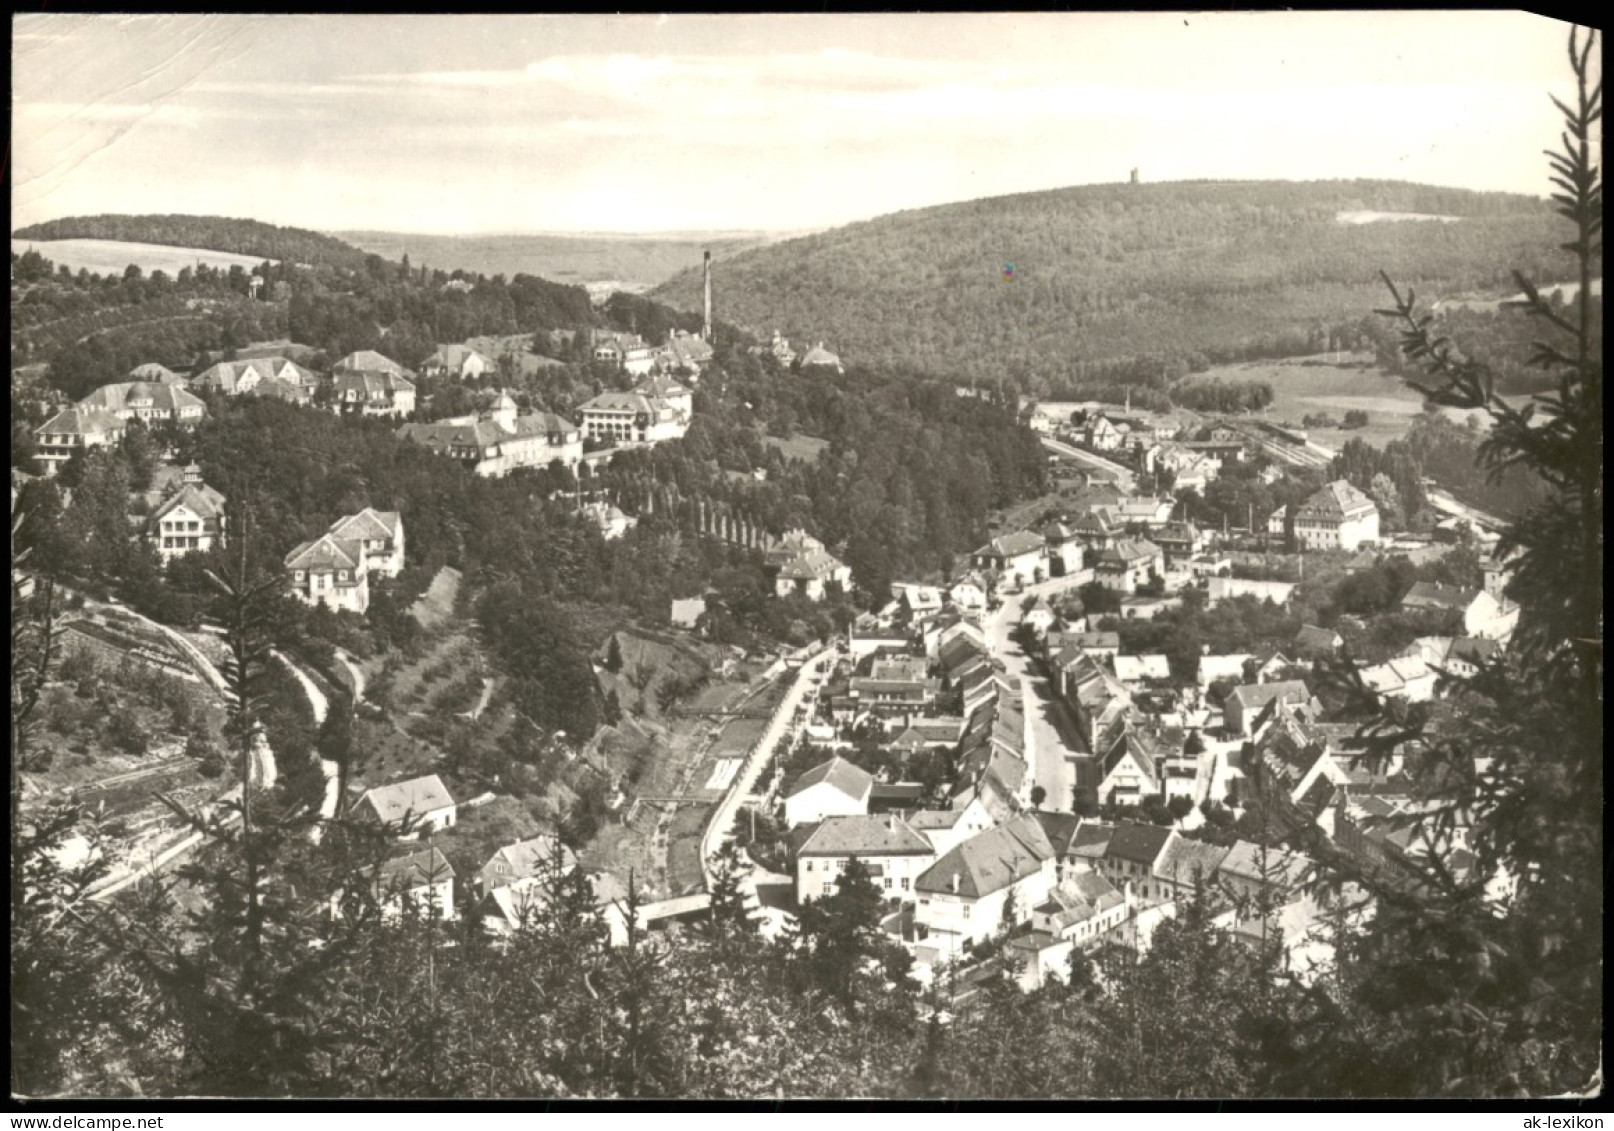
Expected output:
{"points": [[111, 257], [436, 605], [630, 262], [805, 448], [1302, 386], [1368, 216]]}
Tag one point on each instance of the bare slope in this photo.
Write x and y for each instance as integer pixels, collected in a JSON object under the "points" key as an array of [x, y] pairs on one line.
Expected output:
{"points": [[634, 263]]}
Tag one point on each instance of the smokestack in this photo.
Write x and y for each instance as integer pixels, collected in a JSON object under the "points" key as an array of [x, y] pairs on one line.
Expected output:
{"points": [[706, 269]]}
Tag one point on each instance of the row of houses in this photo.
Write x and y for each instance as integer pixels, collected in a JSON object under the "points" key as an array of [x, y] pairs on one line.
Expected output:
{"points": [[513, 886], [364, 383]]}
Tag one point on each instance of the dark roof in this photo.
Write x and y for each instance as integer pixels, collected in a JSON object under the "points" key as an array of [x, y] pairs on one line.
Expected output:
{"points": [[989, 861], [904, 792], [424, 867], [1059, 828], [1012, 545], [1091, 839], [1141, 844]]}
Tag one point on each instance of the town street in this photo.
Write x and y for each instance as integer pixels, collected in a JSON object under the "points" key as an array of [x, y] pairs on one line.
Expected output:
{"points": [[781, 725], [1123, 477], [1050, 745]]}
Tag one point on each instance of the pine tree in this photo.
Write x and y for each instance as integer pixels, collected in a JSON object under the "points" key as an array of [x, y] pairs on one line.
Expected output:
{"points": [[729, 916], [1456, 990]]}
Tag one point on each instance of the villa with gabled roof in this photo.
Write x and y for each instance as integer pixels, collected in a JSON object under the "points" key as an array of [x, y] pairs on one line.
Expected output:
{"points": [[188, 520]]}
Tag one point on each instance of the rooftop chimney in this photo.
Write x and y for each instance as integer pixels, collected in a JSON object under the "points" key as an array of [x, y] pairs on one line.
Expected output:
{"points": [[706, 269]]}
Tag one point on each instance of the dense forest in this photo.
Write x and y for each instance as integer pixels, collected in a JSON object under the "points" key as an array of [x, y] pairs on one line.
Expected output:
{"points": [[216, 233], [1125, 282]]}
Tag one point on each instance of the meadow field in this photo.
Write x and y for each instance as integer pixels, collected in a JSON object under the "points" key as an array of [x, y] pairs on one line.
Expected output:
{"points": [[1312, 385], [631, 263], [112, 257]]}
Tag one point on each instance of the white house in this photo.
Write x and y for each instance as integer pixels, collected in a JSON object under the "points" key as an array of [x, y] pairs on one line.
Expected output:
{"points": [[457, 361], [151, 403], [1081, 909], [188, 521], [835, 788], [535, 857], [964, 895], [419, 805], [1476, 611], [1018, 555], [74, 430], [945, 828], [968, 595], [1245, 703], [1127, 564], [809, 573], [1221, 589], [421, 883], [372, 385], [631, 418], [260, 375], [330, 571], [1129, 772], [893, 853], [381, 535], [1338, 517], [1401, 677], [502, 440]]}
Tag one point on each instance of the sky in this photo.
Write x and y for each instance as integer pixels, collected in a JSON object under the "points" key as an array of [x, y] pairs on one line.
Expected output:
{"points": [[501, 124]]}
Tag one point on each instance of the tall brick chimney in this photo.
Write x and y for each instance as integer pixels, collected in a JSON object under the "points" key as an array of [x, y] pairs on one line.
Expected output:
{"points": [[706, 309]]}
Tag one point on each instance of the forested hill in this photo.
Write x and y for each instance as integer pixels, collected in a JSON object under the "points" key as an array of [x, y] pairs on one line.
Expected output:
{"points": [[1124, 281], [216, 233]]}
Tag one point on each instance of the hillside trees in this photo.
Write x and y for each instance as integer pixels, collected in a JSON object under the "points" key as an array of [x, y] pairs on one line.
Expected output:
{"points": [[1211, 273]]}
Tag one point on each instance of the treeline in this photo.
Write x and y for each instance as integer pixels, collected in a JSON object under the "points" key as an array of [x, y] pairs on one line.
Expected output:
{"points": [[57, 316], [215, 233], [1223, 396], [1227, 271], [406, 313], [1437, 448]]}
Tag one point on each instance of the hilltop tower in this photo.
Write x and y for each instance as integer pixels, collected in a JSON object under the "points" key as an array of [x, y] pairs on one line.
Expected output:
{"points": [[1134, 175], [706, 307]]}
